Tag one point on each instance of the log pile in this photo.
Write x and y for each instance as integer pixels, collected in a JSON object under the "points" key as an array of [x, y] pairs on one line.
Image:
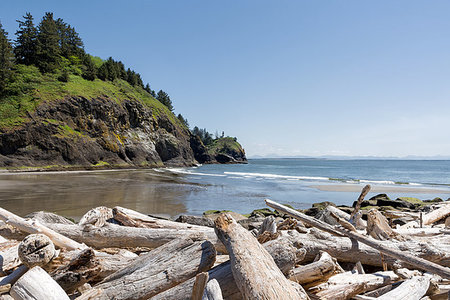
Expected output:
{"points": [[118, 253]]}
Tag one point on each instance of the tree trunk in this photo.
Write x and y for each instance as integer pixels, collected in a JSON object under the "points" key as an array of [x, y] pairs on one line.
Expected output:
{"points": [[254, 270], [284, 254], [37, 284], [9, 258], [160, 269], [112, 235]]}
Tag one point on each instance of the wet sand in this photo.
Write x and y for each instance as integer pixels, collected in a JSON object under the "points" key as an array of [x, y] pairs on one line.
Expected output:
{"points": [[379, 189]]}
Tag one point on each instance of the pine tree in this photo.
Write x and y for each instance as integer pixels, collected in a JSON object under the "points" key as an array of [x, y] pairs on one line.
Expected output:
{"points": [[69, 40], [89, 69], [183, 120], [48, 49], [164, 98], [6, 58], [25, 44]]}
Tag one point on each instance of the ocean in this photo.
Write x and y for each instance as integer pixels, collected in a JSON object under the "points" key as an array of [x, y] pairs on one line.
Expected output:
{"points": [[238, 187]]}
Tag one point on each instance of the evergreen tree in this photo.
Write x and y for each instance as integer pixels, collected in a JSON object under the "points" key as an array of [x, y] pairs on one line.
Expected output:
{"points": [[89, 70], [183, 120], [48, 49], [164, 98], [102, 72], [148, 89], [69, 40], [6, 58], [25, 44], [131, 77]]}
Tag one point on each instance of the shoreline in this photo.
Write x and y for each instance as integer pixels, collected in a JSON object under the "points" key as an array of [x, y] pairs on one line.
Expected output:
{"points": [[377, 189]]}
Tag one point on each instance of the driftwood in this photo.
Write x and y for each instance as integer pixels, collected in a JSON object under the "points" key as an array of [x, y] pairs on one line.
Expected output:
{"points": [[96, 216], [400, 255], [212, 291], [431, 217], [160, 269], [378, 227], [37, 284], [257, 278], [345, 285], [36, 250], [283, 252], [355, 217], [33, 226], [199, 286], [112, 235], [412, 289], [9, 259], [316, 272], [14, 276]]}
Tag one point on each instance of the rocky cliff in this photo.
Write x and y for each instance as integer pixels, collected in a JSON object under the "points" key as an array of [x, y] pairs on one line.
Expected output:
{"points": [[101, 132]]}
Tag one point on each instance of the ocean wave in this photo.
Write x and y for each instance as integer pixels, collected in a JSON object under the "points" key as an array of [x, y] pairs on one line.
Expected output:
{"points": [[188, 172], [274, 176]]}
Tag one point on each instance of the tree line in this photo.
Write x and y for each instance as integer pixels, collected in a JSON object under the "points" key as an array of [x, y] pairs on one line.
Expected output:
{"points": [[53, 44]]}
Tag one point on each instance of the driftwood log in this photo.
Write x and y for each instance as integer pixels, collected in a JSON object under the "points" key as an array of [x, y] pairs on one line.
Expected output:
{"points": [[431, 217], [9, 259], [256, 274], [160, 269], [283, 252], [316, 272], [400, 255], [378, 227], [212, 291], [199, 286], [347, 285], [36, 250], [37, 284], [411, 289], [112, 235]]}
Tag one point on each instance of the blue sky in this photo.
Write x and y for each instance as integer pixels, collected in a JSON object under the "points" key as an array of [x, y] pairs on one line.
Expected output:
{"points": [[286, 77]]}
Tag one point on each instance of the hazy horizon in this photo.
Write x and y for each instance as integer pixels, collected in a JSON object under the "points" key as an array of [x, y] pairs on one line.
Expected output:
{"points": [[291, 78]]}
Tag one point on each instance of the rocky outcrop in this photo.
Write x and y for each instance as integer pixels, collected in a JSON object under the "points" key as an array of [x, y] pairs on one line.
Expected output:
{"points": [[100, 132]]}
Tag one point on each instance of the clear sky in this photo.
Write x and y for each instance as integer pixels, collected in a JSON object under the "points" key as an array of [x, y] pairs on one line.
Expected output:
{"points": [[286, 77]]}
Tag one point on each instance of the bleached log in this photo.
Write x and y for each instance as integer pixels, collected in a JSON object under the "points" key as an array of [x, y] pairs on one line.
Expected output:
{"points": [[199, 286], [316, 272], [37, 284], [425, 231], [9, 259], [345, 285], [283, 252], [33, 226], [160, 269], [355, 217], [133, 218], [112, 235], [411, 289], [36, 250], [268, 225], [93, 294], [5, 288], [212, 291], [256, 274], [380, 246], [378, 227]]}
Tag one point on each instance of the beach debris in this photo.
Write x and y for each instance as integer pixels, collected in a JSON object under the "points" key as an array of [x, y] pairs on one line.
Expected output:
{"points": [[330, 254]]}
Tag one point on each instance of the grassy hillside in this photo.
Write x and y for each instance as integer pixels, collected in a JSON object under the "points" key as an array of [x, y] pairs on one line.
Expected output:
{"points": [[225, 145], [30, 88]]}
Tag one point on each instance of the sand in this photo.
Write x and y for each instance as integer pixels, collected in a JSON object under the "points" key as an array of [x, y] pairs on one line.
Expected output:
{"points": [[379, 189]]}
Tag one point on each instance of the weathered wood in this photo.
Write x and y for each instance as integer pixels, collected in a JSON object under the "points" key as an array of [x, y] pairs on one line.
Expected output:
{"points": [[378, 227], [33, 226], [345, 285], [93, 294], [353, 216], [36, 250], [96, 216], [9, 259], [256, 274], [400, 255], [5, 288], [283, 252], [47, 217], [411, 289], [112, 235], [195, 220], [212, 291], [431, 217], [37, 284], [160, 269], [199, 286], [316, 272], [325, 216]]}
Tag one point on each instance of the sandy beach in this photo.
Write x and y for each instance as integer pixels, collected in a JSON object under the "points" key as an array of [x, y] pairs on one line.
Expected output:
{"points": [[378, 189]]}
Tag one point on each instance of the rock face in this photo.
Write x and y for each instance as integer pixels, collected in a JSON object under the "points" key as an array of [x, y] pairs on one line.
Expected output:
{"points": [[100, 132]]}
